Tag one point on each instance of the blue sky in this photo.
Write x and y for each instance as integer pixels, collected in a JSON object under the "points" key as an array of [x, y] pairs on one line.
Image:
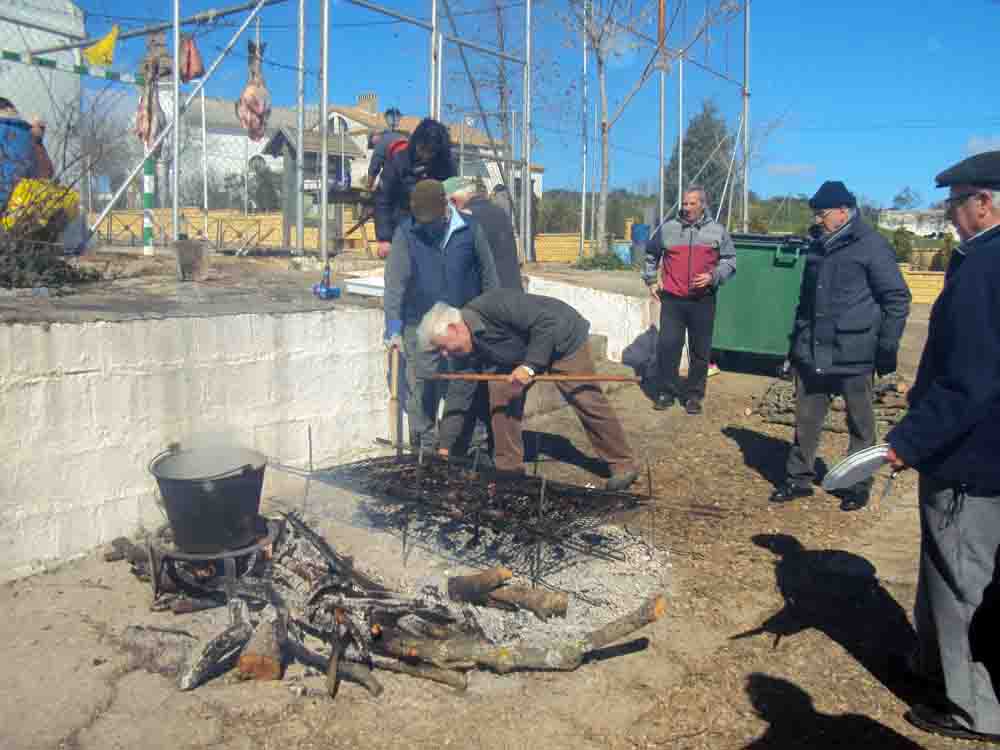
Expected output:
{"points": [[876, 94]]}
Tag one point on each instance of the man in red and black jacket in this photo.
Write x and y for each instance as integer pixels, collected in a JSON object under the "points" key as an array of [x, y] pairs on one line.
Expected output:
{"points": [[686, 263]]}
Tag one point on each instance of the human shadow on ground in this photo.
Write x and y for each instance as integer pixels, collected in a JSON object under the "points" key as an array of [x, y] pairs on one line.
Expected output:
{"points": [[766, 454], [795, 722], [538, 444], [839, 594]]}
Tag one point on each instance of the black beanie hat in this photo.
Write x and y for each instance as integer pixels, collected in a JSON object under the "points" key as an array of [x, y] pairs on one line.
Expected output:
{"points": [[832, 194]]}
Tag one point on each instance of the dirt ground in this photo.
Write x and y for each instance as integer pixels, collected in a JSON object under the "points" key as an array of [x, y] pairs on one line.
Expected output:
{"points": [[779, 627]]}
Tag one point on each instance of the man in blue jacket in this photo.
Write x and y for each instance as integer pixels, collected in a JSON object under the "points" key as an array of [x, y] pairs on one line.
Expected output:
{"points": [[951, 435], [852, 310], [437, 256]]}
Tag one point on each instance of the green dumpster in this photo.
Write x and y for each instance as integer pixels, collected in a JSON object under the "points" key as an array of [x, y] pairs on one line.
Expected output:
{"points": [[756, 308]]}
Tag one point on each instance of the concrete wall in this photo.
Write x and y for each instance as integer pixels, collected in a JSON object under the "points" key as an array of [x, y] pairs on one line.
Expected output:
{"points": [[83, 408], [619, 317]]}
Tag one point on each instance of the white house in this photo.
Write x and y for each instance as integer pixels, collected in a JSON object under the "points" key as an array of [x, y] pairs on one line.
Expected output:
{"points": [[921, 223]]}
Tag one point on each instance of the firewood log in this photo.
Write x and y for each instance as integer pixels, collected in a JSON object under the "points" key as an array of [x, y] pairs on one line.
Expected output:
{"points": [[216, 655], [449, 677], [544, 604], [474, 588], [262, 657], [560, 656]]}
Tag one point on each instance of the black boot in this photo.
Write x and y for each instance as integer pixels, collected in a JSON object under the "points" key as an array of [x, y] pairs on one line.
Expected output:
{"points": [[791, 491], [663, 402]]}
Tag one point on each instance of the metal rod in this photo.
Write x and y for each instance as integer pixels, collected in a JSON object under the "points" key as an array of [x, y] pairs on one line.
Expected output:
{"points": [[530, 247], [439, 96], [661, 164], [246, 175], [483, 377], [746, 116], [324, 130], [206, 16], [170, 125], [175, 181], [39, 27], [461, 148], [432, 66], [204, 162], [729, 172], [583, 127], [300, 124], [680, 131]]}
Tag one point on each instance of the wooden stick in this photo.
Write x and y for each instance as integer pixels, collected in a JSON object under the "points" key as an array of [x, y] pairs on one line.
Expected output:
{"points": [[394, 421], [484, 377], [450, 677], [474, 588], [544, 604]]}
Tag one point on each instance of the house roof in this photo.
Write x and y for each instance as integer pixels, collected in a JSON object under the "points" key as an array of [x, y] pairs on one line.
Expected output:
{"points": [[311, 142], [375, 122]]}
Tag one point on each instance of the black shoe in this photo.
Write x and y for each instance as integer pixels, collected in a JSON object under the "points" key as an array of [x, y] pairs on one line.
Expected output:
{"points": [[945, 724], [622, 481], [663, 402], [790, 491], [693, 406], [855, 498]]}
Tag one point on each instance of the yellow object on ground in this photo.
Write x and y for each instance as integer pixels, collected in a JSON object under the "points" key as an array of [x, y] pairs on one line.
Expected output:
{"points": [[102, 52], [34, 203]]}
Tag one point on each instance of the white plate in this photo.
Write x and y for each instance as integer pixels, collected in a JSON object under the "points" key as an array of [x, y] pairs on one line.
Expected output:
{"points": [[857, 467]]}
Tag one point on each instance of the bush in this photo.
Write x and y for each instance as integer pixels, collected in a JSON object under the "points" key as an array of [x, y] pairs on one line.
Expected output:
{"points": [[603, 262], [902, 241]]}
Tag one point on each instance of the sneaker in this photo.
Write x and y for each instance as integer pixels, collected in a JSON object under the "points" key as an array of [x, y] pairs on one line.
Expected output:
{"points": [[790, 491], [663, 402], [693, 406], [622, 481], [713, 369]]}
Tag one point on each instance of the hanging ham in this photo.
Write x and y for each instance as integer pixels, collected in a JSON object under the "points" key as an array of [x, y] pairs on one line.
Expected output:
{"points": [[254, 105], [149, 119], [191, 63]]}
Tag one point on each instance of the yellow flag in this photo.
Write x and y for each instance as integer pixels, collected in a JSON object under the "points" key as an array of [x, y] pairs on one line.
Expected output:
{"points": [[102, 52]]}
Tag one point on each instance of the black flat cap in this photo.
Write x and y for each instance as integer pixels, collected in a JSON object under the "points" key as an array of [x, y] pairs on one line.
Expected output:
{"points": [[981, 170], [832, 194]]}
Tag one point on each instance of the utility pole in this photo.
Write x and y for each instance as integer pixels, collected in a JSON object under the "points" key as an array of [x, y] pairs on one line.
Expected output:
{"points": [[526, 149], [746, 116], [175, 172], [433, 108]]}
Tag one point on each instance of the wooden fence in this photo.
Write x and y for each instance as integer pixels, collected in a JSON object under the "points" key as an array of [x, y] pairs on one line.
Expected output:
{"points": [[560, 248], [925, 286]]}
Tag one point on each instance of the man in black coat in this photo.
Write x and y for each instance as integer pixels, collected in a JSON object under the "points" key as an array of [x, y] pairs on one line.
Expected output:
{"points": [[468, 195], [525, 335], [427, 156], [851, 313], [951, 435]]}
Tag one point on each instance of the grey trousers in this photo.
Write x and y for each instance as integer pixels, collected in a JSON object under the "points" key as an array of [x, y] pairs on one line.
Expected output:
{"points": [[812, 401], [422, 392], [959, 534]]}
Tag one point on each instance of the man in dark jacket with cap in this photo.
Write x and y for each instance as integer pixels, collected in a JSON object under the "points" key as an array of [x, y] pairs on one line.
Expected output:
{"points": [[427, 157], [437, 256], [951, 435], [852, 310]]}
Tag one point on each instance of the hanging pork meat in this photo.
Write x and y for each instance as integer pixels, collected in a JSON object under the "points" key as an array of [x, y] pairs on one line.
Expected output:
{"points": [[254, 105], [149, 119]]}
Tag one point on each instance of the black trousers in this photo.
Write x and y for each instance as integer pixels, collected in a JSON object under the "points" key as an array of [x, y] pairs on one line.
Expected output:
{"points": [[812, 400], [680, 316]]}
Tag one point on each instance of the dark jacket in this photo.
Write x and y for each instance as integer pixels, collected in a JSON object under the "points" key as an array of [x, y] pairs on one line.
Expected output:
{"points": [[853, 303], [952, 429], [513, 328], [381, 151], [418, 273], [688, 249], [500, 232], [400, 175]]}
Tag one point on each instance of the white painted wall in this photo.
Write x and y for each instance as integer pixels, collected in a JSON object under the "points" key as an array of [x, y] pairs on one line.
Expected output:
{"points": [[84, 407], [618, 316]]}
